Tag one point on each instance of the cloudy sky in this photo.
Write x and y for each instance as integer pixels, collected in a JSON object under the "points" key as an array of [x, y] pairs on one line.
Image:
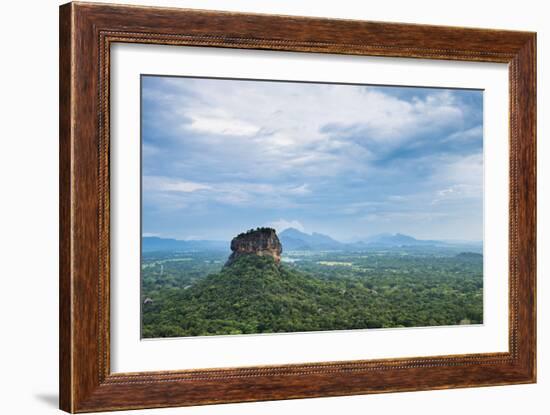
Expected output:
{"points": [[222, 156]]}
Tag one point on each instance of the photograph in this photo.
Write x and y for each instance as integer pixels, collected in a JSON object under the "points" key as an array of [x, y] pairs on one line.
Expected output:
{"points": [[277, 206]]}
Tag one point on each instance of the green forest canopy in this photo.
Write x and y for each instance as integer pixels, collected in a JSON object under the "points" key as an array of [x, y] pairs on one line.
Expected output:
{"points": [[255, 295]]}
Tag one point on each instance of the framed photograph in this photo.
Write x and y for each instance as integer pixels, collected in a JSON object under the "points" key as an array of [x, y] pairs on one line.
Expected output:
{"points": [[259, 207]]}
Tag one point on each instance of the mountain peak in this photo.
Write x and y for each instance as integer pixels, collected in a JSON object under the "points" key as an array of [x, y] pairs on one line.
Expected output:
{"points": [[395, 239], [294, 239], [292, 231], [259, 241]]}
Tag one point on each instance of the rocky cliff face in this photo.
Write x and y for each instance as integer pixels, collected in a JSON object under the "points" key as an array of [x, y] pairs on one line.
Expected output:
{"points": [[260, 241]]}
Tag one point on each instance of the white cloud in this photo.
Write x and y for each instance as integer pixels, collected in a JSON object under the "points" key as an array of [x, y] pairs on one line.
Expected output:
{"points": [[164, 184], [397, 198], [283, 125], [353, 208], [467, 169], [470, 134], [458, 192], [409, 216], [223, 125], [258, 194], [282, 224], [184, 193], [299, 190], [151, 234], [458, 179]]}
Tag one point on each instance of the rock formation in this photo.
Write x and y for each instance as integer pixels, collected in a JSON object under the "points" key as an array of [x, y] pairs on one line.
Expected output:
{"points": [[259, 241]]}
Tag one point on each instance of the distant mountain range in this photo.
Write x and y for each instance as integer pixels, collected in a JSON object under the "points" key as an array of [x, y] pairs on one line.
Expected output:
{"points": [[295, 240], [154, 243], [400, 240]]}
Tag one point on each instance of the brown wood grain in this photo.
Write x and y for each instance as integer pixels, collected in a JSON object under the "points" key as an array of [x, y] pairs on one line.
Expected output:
{"points": [[65, 246], [86, 33]]}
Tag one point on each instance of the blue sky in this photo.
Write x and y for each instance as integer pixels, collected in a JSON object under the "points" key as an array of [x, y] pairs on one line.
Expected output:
{"points": [[222, 156]]}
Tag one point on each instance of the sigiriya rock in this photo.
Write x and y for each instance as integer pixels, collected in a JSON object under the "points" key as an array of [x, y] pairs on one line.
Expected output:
{"points": [[259, 241]]}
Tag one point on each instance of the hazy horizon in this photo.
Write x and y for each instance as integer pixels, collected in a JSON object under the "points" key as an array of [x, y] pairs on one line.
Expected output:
{"points": [[356, 239], [349, 161]]}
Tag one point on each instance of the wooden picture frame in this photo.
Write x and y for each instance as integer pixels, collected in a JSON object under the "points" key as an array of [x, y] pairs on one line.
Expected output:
{"points": [[86, 33]]}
